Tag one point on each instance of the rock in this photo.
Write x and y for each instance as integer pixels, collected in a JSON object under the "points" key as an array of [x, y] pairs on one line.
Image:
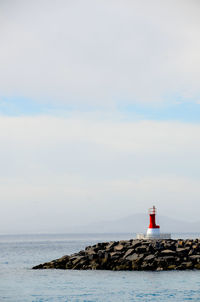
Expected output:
{"points": [[171, 267], [180, 243], [123, 242], [137, 258], [160, 269], [135, 266], [92, 256], [195, 258], [111, 245], [122, 267], [148, 266], [78, 259], [158, 245], [100, 245], [104, 262], [119, 247], [115, 255], [187, 265], [132, 255], [95, 266], [129, 252], [141, 249], [40, 266], [168, 252], [182, 251], [135, 243], [191, 252], [165, 261], [188, 243], [101, 253], [149, 258]]}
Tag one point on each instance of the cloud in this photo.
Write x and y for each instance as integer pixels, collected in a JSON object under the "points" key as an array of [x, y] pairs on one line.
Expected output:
{"points": [[100, 53], [97, 58], [62, 172]]}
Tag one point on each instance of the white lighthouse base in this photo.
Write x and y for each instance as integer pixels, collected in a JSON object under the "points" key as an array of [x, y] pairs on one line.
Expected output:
{"points": [[154, 234]]}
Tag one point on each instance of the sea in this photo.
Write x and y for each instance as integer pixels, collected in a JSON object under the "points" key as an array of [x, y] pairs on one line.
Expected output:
{"points": [[19, 283]]}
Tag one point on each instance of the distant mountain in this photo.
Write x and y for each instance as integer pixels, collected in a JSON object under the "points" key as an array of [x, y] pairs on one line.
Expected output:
{"points": [[138, 223]]}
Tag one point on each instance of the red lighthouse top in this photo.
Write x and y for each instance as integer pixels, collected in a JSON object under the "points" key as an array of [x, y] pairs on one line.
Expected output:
{"points": [[152, 216]]}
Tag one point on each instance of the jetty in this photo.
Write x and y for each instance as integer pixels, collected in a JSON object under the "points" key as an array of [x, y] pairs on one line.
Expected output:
{"points": [[133, 254]]}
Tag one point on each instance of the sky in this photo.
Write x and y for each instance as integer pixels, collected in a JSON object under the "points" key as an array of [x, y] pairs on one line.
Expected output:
{"points": [[99, 111]]}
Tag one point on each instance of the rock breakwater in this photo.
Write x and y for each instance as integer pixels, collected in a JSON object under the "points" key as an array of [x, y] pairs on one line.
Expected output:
{"points": [[132, 255]]}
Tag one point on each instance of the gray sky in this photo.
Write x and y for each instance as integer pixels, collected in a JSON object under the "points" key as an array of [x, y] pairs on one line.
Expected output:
{"points": [[99, 104], [100, 52]]}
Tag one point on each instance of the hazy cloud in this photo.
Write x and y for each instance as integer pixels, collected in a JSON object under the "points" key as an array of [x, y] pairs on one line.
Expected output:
{"points": [[100, 52], [73, 171]]}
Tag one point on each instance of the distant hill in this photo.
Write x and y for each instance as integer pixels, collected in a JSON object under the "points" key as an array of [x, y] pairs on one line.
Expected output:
{"points": [[138, 223]]}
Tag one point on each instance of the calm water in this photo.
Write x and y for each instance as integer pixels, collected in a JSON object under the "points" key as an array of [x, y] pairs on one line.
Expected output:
{"points": [[19, 283]]}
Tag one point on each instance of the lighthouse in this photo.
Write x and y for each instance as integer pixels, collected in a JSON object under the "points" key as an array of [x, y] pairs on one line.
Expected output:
{"points": [[153, 231]]}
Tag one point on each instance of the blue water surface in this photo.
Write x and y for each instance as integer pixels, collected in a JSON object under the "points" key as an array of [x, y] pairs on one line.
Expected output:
{"points": [[19, 283]]}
